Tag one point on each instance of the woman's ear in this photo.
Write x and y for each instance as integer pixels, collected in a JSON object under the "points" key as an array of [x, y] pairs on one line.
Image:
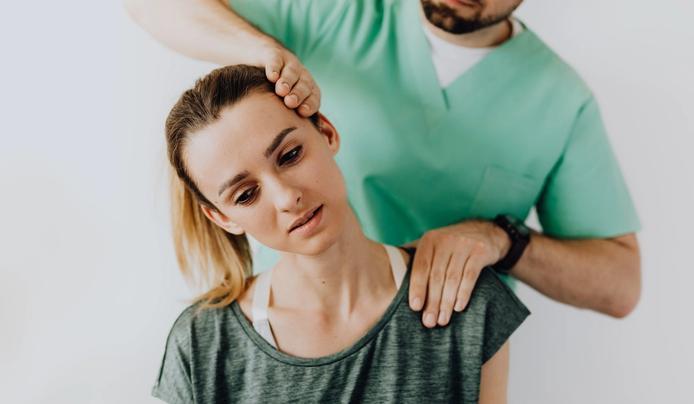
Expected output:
{"points": [[221, 220], [326, 128]]}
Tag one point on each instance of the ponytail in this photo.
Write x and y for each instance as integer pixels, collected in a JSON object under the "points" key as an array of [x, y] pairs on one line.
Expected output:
{"points": [[208, 257]]}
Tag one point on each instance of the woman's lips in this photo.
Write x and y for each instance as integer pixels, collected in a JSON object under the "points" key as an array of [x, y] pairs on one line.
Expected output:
{"points": [[308, 228]]}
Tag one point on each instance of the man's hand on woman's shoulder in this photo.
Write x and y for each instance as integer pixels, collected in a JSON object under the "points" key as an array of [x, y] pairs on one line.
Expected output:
{"points": [[447, 264]]}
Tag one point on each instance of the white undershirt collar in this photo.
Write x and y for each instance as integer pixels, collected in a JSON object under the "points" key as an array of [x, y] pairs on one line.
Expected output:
{"points": [[451, 60]]}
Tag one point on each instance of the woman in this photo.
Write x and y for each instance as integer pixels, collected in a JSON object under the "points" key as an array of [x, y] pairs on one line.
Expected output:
{"points": [[330, 322]]}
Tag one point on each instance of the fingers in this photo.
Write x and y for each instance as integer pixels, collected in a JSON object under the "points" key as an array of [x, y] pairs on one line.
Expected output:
{"points": [[436, 280], [471, 272], [288, 78], [274, 67], [311, 104], [295, 84], [300, 91], [419, 278], [454, 274], [446, 267]]}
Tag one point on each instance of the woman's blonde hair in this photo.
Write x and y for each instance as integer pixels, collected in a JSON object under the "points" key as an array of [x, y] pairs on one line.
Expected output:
{"points": [[208, 256]]}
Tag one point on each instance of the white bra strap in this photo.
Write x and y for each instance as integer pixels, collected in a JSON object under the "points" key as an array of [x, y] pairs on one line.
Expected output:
{"points": [[397, 264], [261, 301]]}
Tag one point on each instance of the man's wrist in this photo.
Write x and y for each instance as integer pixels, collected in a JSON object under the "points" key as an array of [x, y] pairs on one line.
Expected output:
{"points": [[258, 49]]}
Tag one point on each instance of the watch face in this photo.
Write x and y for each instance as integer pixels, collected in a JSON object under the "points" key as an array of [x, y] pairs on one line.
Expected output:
{"points": [[519, 225], [523, 229]]}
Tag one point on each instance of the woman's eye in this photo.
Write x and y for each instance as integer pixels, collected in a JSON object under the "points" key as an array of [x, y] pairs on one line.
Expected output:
{"points": [[246, 197], [290, 156]]}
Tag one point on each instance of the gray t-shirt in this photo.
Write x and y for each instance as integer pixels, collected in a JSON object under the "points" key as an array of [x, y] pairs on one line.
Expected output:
{"points": [[217, 356]]}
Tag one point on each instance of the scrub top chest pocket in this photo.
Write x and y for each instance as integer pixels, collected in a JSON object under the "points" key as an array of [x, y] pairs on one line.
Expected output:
{"points": [[502, 191]]}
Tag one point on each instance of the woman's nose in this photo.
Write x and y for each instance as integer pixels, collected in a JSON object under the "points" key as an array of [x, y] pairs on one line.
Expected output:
{"points": [[287, 197]]}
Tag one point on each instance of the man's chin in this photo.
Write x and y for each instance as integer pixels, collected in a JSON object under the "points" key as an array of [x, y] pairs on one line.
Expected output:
{"points": [[461, 16], [451, 16]]}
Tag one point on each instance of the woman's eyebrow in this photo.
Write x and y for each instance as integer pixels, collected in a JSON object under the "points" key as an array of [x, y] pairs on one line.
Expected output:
{"points": [[278, 140], [238, 177]]}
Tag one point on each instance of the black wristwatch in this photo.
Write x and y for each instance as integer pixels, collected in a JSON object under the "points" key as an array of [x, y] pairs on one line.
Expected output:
{"points": [[520, 237]]}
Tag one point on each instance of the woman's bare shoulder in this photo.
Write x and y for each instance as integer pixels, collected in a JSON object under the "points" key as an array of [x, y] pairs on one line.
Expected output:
{"points": [[245, 300]]}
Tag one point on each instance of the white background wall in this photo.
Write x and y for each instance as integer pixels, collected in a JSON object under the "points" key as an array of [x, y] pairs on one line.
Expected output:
{"points": [[88, 282]]}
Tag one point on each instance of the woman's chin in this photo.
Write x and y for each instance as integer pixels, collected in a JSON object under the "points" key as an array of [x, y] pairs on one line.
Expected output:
{"points": [[313, 241], [318, 244]]}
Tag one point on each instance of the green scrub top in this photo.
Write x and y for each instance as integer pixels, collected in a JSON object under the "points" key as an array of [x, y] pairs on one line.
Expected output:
{"points": [[519, 129]]}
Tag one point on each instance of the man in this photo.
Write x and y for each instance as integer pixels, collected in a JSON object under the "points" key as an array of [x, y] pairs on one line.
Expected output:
{"points": [[457, 120]]}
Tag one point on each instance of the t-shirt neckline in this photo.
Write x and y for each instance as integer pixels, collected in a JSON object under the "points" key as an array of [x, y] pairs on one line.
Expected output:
{"points": [[268, 349]]}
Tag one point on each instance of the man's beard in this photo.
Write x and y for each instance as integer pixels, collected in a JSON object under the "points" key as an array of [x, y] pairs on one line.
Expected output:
{"points": [[445, 18]]}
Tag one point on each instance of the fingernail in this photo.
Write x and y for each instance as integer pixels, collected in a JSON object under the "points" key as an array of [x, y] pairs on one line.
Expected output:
{"points": [[304, 107], [443, 318], [461, 306], [292, 99], [417, 303], [429, 320]]}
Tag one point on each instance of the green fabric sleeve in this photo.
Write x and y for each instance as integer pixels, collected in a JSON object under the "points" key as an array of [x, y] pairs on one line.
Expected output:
{"points": [[173, 384], [504, 314], [297, 24], [585, 194]]}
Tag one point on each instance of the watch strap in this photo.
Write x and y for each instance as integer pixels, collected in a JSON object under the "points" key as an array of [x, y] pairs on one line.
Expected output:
{"points": [[519, 241]]}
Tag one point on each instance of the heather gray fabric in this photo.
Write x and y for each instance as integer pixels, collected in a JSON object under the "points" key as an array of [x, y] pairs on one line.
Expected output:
{"points": [[217, 356]]}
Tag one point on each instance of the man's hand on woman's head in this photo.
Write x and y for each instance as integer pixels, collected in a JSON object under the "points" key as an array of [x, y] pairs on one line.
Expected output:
{"points": [[446, 266], [293, 82]]}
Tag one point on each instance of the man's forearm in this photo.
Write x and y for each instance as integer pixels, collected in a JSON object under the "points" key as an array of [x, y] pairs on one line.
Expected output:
{"points": [[599, 274], [202, 29]]}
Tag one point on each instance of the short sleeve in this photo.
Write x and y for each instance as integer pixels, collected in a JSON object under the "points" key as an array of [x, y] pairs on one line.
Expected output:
{"points": [[296, 24], [503, 315], [173, 384], [585, 194]]}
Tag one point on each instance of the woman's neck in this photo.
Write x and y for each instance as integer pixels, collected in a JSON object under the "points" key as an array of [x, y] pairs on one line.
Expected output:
{"points": [[351, 274]]}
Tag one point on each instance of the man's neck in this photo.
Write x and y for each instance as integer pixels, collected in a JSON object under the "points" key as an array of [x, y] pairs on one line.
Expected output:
{"points": [[352, 273], [488, 37]]}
